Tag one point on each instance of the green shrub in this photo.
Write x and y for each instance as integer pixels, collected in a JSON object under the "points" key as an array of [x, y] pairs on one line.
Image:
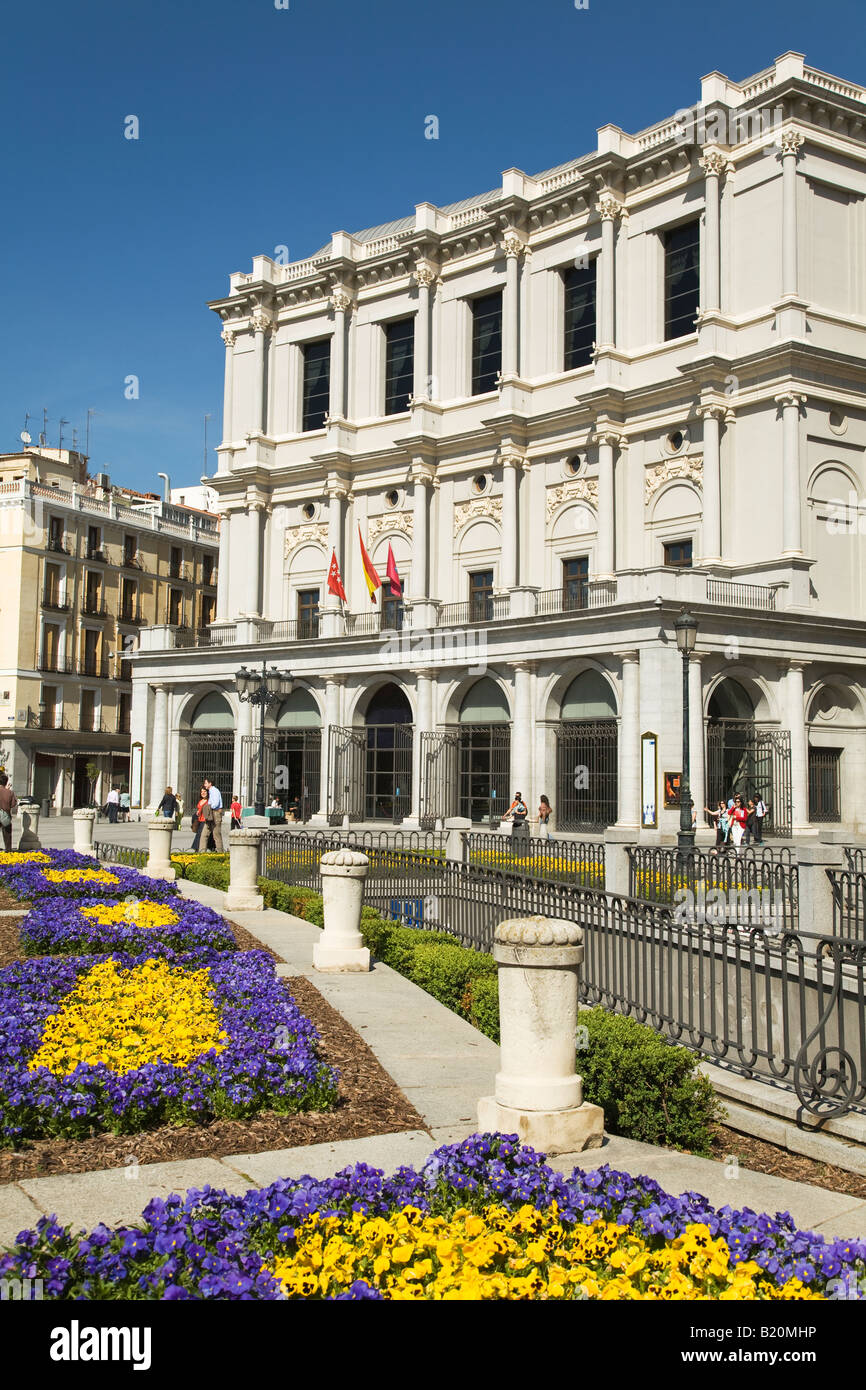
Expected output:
{"points": [[210, 869], [447, 971], [649, 1089], [482, 1005], [289, 897]]}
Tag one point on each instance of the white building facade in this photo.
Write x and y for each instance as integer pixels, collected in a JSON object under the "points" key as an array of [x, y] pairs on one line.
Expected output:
{"points": [[571, 406]]}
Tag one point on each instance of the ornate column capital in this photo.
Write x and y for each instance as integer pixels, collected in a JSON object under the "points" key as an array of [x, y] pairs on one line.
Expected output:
{"points": [[610, 437], [425, 274], [524, 666], [714, 410], [261, 320], [609, 208], [513, 244], [714, 163], [790, 141], [341, 300], [510, 459], [228, 336], [421, 475], [336, 492], [788, 398]]}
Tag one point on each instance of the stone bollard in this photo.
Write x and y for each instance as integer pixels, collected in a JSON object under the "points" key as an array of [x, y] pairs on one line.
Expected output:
{"points": [[82, 831], [29, 828], [455, 845], [341, 947], [539, 1095], [159, 865], [814, 890], [617, 843], [244, 849]]}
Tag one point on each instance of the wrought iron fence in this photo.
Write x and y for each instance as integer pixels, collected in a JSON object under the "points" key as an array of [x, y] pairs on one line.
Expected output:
{"points": [[848, 888], [567, 861], [293, 856], [127, 855], [756, 887], [855, 857]]}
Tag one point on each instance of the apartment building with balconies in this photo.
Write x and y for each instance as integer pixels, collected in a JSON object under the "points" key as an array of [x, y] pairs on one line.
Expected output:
{"points": [[86, 566], [569, 407]]}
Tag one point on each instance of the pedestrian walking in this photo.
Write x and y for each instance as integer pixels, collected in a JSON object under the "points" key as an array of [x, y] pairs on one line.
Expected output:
{"points": [[200, 819], [113, 803], [738, 817], [124, 806], [168, 806], [236, 812], [215, 802], [720, 816], [761, 810], [8, 805], [750, 822]]}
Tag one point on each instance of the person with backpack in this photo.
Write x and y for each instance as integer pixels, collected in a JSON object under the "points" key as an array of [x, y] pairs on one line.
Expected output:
{"points": [[8, 806], [518, 811]]}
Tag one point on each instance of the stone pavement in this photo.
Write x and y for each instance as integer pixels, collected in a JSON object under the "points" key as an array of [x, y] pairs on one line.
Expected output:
{"points": [[443, 1066]]}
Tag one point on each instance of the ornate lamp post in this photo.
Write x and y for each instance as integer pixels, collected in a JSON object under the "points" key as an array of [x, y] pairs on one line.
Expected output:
{"points": [[686, 630], [263, 689]]}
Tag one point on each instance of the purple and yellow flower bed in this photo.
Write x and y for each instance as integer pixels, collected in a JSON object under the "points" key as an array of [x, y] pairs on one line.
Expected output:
{"points": [[90, 926], [127, 1042], [486, 1219], [67, 874]]}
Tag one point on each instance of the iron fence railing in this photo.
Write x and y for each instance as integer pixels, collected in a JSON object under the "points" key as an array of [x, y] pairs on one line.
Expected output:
{"points": [[741, 595], [848, 887], [855, 857], [757, 887], [292, 856], [127, 855], [569, 861]]}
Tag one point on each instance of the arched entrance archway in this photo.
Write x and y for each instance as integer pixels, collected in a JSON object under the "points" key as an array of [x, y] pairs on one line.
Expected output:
{"points": [[211, 747], [293, 754], [746, 756], [483, 752], [586, 755], [388, 765]]}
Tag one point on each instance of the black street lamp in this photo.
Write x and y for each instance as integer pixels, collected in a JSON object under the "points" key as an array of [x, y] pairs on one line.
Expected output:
{"points": [[262, 689], [686, 630]]}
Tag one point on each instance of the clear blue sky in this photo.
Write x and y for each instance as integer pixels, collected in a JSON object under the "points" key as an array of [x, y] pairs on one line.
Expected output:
{"points": [[261, 127]]}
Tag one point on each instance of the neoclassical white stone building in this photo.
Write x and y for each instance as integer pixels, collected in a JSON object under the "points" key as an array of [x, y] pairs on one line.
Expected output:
{"points": [[571, 406]]}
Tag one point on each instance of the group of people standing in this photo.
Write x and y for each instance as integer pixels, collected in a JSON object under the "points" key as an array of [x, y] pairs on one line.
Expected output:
{"points": [[518, 812], [739, 821], [206, 820]]}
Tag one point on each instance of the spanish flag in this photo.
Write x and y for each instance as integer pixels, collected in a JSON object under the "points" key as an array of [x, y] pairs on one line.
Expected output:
{"points": [[370, 575]]}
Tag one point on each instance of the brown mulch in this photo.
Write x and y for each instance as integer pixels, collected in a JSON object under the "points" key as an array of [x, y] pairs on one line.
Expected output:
{"points": [[368, 1103], [8, 902], [762, 1157]]}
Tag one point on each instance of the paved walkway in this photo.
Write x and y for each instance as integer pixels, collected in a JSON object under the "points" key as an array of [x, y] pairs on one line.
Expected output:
{"points": [[443, 1066]]}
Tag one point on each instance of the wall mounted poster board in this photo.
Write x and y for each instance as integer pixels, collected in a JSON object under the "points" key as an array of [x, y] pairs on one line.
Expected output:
{"points": [[649, 781]]}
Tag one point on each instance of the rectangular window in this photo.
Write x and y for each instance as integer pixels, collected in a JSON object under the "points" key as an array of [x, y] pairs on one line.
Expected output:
{"points": [[207, 569], [308, 613], [51, 647], [49, 718], [128, 600], [682, 279], [51, 597], [55, 533], [575, 581], [94, 540], [481, 596], [208, 606], [392, 609], [175, 565], [580, 330], [678, 554], [124, 713], [88, 709], [399, 365], [130, 550], [486, 342], [175, 607], [91, 592], [317, 384]]}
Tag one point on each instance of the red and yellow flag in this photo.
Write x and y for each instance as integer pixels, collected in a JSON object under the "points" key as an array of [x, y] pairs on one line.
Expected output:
{"points": [[372, 579]]}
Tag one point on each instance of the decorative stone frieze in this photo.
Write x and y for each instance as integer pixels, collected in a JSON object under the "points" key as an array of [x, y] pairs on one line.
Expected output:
{"points": [[583, 490], [689, 469], [487, 507]]}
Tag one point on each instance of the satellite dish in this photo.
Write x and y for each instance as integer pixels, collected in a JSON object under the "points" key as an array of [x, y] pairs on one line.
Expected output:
{"points": [[25, 437]]}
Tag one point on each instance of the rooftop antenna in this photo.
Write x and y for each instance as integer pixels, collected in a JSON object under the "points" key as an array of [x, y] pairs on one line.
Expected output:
{"points": [[25, 436], [60, 440], [204, 462], [43, 438]]}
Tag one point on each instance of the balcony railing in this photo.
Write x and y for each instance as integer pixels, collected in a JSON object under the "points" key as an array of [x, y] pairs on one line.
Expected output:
{"points": [[589, 593], [56, 545], [129, 615], [132, 562], [56, 604], [42, 719], [208, 637], [91, 726], [180, 572], [94, 609], [93, 666], [290, 630], [124, 725], [97, 554], [59, 665], [474, 611], [736, 595]]}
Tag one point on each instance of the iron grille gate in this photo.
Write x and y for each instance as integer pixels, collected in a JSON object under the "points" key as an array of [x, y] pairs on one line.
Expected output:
{"points": [[587, 774], [211, 756], [825, 802], [346, 760], [293, 762], [371, 773], [748, 758], [438, 778], [484, 772]]}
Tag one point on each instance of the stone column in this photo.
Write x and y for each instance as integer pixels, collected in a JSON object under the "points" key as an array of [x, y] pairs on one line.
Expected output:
{"points": [[244, 851], [341, 947], [456, 828], [629, 743], [341, 303], [711, 528], [792, 536], [513, 247], [697, 775], [331, 606], [331, 720], [228, 337], [82, 831], [795, 704], [252, 559], [423, 725], [261, 324], [790, 140], [521, 755], [223, 590], [159, 744], [713, 164], [425, 277], [539, 1095], [159, 865], [605, 562], [609, 210], [511, 464], [420, 533]]}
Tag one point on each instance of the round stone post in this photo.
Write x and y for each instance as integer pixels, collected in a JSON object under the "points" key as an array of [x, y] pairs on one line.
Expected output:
{"points": [[29, 828], [243, 894], [82, 830], [341, 947], [539, 1095], [159, 863]]}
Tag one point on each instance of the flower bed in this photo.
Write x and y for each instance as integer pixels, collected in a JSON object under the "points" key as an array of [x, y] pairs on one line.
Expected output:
{"points": [[486, 1219], [127, 1042], [69, 875], [90, 926]]}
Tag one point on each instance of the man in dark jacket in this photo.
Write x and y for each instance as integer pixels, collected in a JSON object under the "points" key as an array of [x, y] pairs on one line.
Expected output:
{"points": [[8, 805]]}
